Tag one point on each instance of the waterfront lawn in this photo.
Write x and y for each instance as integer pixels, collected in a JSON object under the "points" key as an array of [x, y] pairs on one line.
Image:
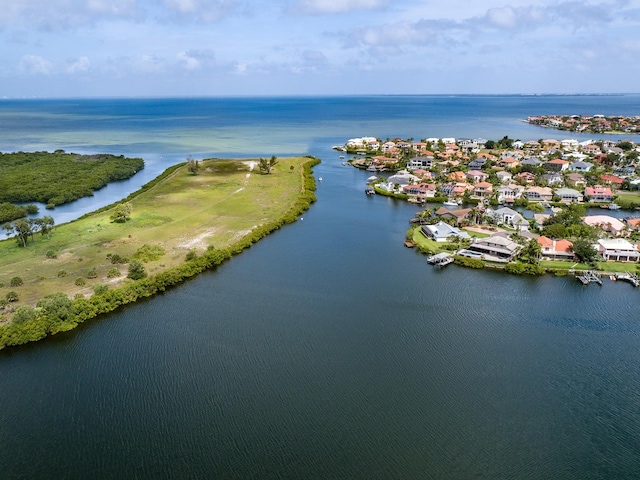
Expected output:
{"points": [[182, 212]]}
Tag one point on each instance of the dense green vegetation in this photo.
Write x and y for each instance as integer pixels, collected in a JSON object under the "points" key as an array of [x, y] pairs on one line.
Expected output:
{"points": [[60, 311], [59, 177]]}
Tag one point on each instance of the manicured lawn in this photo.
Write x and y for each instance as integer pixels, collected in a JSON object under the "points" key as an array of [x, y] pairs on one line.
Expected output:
{"points": [[182, 212]]}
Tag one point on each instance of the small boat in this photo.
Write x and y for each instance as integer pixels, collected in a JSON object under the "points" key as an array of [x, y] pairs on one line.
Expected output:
{"points": [[369, 190], [320, 179], [452, 203], [341, 156], [613, 206]]}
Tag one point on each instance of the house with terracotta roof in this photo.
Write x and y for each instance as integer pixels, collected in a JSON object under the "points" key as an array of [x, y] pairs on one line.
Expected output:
{"points": [[598, 193], [525, 178], [458, 176], [423, 174], [612, 180], [556, 249], [507, 162], [633, 223], [556, 165], [591, 149]]}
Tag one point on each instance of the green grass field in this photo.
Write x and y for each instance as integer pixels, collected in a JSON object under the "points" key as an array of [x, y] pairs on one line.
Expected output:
{"points": [[183, 212]]}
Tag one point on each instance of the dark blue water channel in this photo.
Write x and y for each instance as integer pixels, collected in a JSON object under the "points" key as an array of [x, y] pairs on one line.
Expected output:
{"points": [[329, 350]]}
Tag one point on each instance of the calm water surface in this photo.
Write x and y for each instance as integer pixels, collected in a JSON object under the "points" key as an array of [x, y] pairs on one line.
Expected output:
{"points": [[329, 350]]}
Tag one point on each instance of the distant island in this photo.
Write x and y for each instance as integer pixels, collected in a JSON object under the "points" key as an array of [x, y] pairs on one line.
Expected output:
{"points": [[616, 124]]}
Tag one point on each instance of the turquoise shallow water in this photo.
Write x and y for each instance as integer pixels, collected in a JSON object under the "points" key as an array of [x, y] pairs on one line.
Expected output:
{"points": [[329, 350]]}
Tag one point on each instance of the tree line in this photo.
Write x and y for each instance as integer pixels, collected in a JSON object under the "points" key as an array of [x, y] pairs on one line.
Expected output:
{"points": [[59, 177]]}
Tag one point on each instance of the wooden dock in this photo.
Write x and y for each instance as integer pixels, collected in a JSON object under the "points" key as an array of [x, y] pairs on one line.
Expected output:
{"points": [[632, 278], [440, 259], [588, 277]]}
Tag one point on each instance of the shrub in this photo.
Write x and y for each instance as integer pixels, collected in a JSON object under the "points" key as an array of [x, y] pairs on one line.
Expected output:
{"points": [[51, 254], [24, 314], [136, 271], [100, 288], [191, 255], [16, 282], [62, 273], [12, 296], [149, 253], [113, 273], [78, 295], [92, 273], [468, 262], [80, 282]]}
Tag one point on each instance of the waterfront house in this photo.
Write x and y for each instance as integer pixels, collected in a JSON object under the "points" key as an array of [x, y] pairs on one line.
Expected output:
{"points": [[459, 215], [569, 195], [606, 222], [570, 144], [598, 193], [618, 250], [538, 194], [455, 189], [440, 232], [508, 193], [402, 177], [496, 246], [556, 249], [425, 162], [482, 190], [420, 191]]}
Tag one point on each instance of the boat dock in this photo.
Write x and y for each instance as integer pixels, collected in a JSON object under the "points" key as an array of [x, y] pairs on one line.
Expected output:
{"points": [[632, 278], [440, 259], [589, 276]]}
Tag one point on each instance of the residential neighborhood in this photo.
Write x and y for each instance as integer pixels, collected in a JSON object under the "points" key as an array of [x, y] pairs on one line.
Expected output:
{"points": [[485, 187], [588, 123]]}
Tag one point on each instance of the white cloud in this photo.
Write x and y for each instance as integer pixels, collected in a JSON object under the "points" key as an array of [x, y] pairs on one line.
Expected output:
{"points": [[35, 65], [58, 15], [196, 59], [80, 65], [206, 11], [337, 6]]}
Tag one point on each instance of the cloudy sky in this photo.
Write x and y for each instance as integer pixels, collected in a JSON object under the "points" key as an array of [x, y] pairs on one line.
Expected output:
{"points": [[62, 48]]}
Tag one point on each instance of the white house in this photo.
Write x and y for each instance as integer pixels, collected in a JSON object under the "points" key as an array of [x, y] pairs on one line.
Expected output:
{"points": [[440, 232], [618, 249]]}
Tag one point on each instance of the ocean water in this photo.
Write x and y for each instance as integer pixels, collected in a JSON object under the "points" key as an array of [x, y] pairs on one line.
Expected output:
{"points": [[327, 350]]}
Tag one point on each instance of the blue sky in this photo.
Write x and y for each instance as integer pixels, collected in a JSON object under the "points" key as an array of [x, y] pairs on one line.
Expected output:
{"points": [[62, 48]]}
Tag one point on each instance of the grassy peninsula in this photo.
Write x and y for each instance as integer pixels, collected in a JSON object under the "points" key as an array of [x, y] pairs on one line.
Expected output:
{"points": [[191, 218]]}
